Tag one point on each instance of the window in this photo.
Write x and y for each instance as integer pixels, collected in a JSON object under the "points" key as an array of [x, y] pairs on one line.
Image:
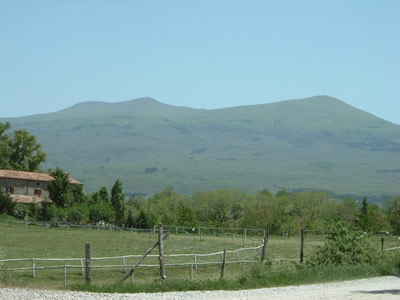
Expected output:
{"points": [[37, 192], [10, 190]]}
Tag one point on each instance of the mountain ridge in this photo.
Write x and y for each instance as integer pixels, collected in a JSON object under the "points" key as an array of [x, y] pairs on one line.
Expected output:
{"points": [[317, 143]]}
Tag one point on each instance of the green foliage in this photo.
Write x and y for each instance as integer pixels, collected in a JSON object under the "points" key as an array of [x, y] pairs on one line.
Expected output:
{"points": [[4, 146], [344, 247], [19, 151], [6, 204], [118, 202], [371, 218], [143, 221], [46, 212], [393, 214], [185, 216], [129, 219], [101, 212], [19, 211], [34, 212], [77, 193], [104, 195], [78, 214], [59, 189]]}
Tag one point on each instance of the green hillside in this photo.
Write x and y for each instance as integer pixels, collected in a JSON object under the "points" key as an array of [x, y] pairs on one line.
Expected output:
{"points": [[318, 143]]}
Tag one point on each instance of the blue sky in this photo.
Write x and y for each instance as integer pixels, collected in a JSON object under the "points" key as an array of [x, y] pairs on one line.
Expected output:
{"points": [[202, 54]]}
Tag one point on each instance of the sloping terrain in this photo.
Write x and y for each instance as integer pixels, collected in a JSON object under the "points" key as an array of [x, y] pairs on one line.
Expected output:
{"points": [[317, 143]]}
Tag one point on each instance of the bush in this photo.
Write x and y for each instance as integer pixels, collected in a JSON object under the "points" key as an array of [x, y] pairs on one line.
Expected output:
{"points": [[78, 213], [19, 211], [344, 247], [6, 204]]}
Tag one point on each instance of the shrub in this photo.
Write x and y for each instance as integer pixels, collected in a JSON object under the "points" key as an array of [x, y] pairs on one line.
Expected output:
{"points": [[344, 247], [6, 204], [19, 211]]}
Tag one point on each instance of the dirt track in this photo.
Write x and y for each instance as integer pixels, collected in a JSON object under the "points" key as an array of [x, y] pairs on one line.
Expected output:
{"points": [[374, 288]]}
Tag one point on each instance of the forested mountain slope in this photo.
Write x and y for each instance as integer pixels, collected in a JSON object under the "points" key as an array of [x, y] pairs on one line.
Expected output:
{"points": [[313, 143]]}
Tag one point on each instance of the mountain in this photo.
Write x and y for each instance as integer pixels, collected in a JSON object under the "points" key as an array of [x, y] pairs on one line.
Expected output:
{"points": [[313, 143]]}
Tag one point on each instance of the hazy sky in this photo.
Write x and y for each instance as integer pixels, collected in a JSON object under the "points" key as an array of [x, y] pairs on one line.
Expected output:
{"points": [[202, 54]]}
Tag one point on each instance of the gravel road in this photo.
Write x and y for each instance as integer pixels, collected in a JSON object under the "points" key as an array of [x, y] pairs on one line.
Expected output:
{"points": [[387, 287]]}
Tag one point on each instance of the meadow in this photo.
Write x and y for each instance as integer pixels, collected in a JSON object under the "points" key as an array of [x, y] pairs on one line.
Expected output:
{"points": [[19, 241]]}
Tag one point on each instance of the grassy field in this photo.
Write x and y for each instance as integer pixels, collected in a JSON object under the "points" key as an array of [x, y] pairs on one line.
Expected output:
{"points": [[17, 241]]}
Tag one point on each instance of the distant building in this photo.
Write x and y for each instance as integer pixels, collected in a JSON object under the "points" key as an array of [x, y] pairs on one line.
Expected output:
{"points": [[27, 187]]}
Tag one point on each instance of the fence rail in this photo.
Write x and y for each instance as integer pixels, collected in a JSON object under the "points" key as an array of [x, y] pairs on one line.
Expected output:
{"points": [[34, 267]]}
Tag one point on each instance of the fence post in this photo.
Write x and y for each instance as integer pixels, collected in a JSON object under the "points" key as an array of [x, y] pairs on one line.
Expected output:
{"points": [[88, 266], [123, 261], [132, 276], [161, 251], [33, 268], [382, 242], [264, 248], [65, 276], [82, 267], [195, 261], [191, 272], [223, 264], [302, 246]]}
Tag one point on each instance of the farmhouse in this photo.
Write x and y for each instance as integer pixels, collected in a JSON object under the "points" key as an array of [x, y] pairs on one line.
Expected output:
{"points": [[27, 187]]}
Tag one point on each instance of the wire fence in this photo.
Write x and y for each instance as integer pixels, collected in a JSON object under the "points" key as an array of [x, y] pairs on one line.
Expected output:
{"points": [[240, 256]]}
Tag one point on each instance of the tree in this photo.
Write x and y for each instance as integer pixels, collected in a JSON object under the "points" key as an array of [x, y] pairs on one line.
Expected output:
{"points": [[19, 151], [4, 146], [101, 212], [344, 247], [143, 221], [118, 202], [129, 219], [371, 218], [77, 194], [59, 189], [78, 213], [184, 215], [393, 214], [104, 196], [25, 154]]}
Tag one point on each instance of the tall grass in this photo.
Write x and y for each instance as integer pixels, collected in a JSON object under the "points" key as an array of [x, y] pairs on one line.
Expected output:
{"points": [[259, 276]]}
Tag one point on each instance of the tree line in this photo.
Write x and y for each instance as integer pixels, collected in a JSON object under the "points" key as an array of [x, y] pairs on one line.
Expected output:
{"points": [[282, 212]]}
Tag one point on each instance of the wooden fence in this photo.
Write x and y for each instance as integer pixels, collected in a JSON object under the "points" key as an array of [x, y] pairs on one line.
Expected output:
{"points": [[193, 265]]}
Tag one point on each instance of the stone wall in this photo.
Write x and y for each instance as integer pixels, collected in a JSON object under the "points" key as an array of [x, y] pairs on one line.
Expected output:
{"points": [[25, 187]]}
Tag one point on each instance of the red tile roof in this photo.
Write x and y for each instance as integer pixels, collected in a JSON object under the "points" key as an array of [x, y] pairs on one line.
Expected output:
{"points": [[34, 176], [27, 199]]}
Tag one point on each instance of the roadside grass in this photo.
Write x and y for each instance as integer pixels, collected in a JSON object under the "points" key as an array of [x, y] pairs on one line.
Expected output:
{"points": [[17, 241], [259, 276]]}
